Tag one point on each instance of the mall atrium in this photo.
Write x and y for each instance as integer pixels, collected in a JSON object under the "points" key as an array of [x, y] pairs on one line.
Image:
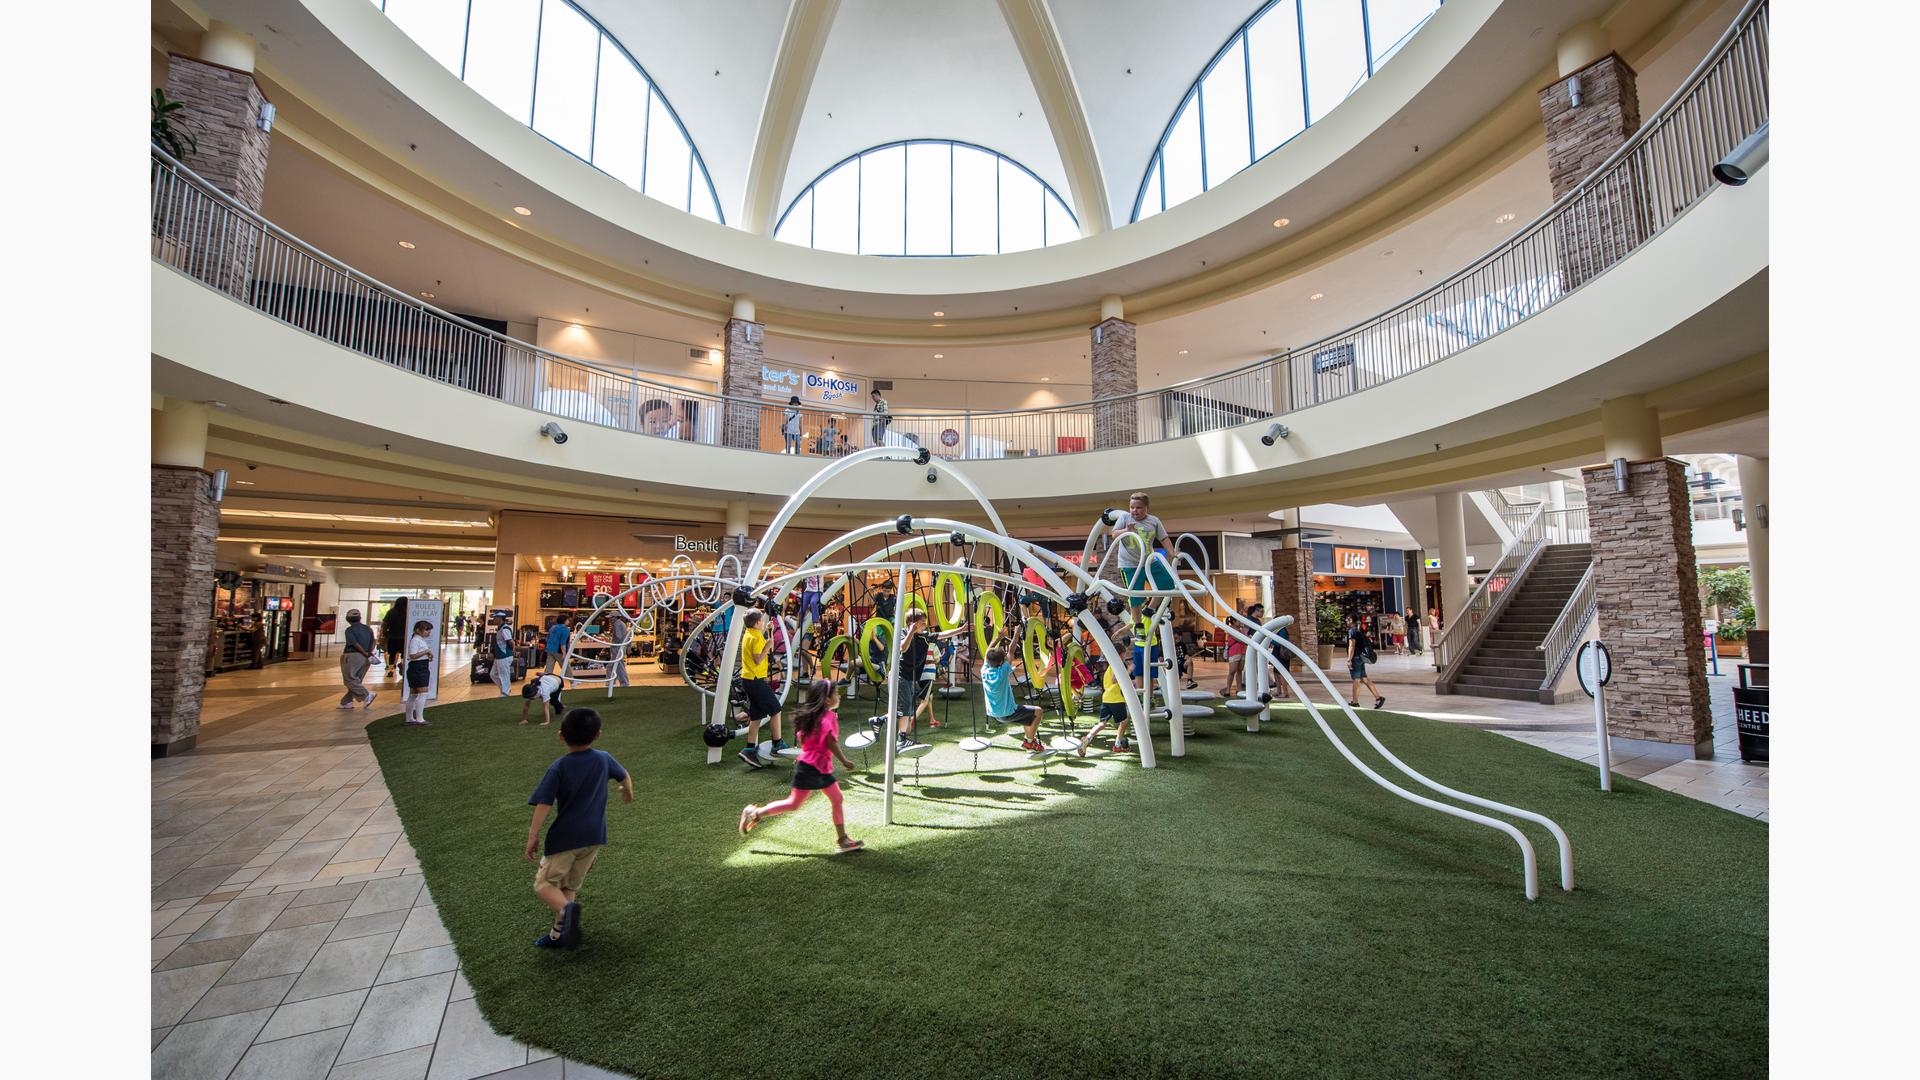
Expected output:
{"points": [[1254, 514]]}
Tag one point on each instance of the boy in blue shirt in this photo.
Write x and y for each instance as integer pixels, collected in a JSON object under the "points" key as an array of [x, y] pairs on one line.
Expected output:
{"points": [[997, 677], [576, 783]]}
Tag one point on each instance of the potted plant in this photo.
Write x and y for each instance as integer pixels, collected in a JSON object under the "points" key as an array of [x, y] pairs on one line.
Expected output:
{"points": [[1331, 625], [1729, 594], [170, 128]]}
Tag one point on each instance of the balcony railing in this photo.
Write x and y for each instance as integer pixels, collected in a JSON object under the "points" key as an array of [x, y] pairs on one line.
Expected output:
{"points": [[1642, 188]]}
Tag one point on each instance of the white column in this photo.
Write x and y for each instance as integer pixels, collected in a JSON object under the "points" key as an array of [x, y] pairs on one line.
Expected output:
{"points": [[228, 46], [1753, 498], [1449, 508], [1290, 520], [736, 524], [743, 308], [1111, 307], [1580, 45], [180, 434], [1630, 428]]}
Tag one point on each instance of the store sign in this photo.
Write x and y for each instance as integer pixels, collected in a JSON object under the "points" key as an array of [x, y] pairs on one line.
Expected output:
{"points": [[1350, 561], [270, 570], [949, 437], [1434, 564], [696, 546], [603, 583], [811, 385]]}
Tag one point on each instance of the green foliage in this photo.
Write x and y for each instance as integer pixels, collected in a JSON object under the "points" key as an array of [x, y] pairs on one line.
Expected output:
{"points": [[1254, 909], [170, 127], [1329, 622], [1728, 590]]}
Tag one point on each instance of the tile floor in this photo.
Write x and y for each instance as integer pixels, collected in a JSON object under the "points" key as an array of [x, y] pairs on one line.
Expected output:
{"points": [[293, 937]]}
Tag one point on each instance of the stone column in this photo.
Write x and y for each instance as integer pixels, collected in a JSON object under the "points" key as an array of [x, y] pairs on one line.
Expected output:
{"points": [[1455, 584], [1753, 501], [1293, 585], [1649, 604], [740, 378], [222, 113], [1589, 113], [184, 522], [1116, 371]]}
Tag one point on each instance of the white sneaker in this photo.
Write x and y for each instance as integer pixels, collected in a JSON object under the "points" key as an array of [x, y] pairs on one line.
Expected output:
{"points": [[348, 707], [369, 703]]}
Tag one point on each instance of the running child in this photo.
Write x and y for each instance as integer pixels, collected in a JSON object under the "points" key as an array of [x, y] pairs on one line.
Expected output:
{"points": [[817, 726], [547, 688], [576, 785], [419, 672], [997, 677]]}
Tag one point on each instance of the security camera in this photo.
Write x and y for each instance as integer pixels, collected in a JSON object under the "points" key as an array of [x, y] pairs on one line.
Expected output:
{"points": [[933, 475], [1738, 167], [552, 431], [1275, 431], [251, 467]]}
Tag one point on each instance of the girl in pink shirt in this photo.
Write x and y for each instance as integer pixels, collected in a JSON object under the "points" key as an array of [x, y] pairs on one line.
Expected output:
{"points": [[817, 729]]}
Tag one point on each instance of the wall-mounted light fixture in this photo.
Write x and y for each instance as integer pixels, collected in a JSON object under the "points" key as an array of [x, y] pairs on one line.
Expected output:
{"points": [[264, 121], [1620, 475], [217, 485], [553, 431], [1573, 92], [1739, 520], [1274, 432]]}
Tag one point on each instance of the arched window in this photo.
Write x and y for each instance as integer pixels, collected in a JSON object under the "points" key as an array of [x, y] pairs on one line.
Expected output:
{"points": [[1284, 69], [548, 65], [927, 197]]}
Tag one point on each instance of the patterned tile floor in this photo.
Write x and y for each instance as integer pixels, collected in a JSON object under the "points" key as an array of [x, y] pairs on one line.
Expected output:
{"points": [[293, 936]]}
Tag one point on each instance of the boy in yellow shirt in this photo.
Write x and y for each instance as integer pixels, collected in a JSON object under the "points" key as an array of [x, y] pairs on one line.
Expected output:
{"points": [[1113, 703], [762, 702]]}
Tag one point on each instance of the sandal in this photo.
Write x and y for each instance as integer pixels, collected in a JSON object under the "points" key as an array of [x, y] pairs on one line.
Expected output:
{"points": [[749, 817]]}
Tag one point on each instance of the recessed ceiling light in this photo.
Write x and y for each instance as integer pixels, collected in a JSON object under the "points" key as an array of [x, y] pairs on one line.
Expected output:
{"points": [[1503, 219], [1282, 222], [247, 483], [1046, 378], [1183, 352], [523, 211], [426, 296], [408, 244], [1316, 296], [939, 356], [939, 314]]}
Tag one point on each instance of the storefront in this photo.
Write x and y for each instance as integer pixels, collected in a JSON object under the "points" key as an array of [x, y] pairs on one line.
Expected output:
{"points": [[1367, 583], [257, 616]]}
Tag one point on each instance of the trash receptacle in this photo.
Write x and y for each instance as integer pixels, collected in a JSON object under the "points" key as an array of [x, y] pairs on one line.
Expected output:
{"points": [[1750, 717]]}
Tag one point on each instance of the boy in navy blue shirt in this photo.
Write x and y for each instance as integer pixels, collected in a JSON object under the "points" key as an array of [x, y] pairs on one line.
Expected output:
{"points": [[576, 784]]}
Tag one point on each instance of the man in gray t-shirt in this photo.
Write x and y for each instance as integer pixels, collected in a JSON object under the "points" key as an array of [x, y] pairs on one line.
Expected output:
{"points": [[355, 657]]}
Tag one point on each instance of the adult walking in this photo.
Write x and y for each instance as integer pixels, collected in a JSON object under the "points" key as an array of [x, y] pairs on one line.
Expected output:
{"points": [[1360, 653], [393, 636], [1433, 628], [354, 660], [503, 656], [790, 427], [882, 417], [1413, 632], [620, 633], [558, 635]]}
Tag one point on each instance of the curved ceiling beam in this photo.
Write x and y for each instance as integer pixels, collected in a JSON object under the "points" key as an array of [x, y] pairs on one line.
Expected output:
{"points": [[802, 42], [1039, 41]]}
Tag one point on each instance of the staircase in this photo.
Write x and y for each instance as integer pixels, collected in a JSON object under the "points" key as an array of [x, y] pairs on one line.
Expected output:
{"points": [[1507, 662]]}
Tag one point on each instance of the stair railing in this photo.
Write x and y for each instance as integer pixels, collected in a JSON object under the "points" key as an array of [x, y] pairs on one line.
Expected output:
{"points": [[1568, 630], [1568, 526], [1468, 623]]}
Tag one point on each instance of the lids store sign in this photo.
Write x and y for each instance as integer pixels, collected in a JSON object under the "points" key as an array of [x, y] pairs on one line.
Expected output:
{"points": [[1350, 561]]}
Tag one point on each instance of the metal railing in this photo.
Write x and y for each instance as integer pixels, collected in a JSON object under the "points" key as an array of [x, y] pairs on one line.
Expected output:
{"points": [[1465, 622], [1643, 187], [1568, 526], [1568, 630]]}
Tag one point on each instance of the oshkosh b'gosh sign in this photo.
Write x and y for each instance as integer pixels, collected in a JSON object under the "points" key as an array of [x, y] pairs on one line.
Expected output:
{"points": [[682, 543]]}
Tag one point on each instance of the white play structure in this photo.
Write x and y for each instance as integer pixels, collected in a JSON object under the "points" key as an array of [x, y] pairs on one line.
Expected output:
{"points": [[734, 586]]}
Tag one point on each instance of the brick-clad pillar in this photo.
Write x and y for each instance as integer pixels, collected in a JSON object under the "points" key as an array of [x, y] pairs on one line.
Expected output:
{"points": [[222, 109], [1116, 371], [185, 522], [1293, 595], [740, 379], [1649, 600], [1611, 220]]}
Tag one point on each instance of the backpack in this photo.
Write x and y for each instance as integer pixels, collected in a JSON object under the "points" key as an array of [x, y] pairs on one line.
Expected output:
{"points": [[1366, 650]]}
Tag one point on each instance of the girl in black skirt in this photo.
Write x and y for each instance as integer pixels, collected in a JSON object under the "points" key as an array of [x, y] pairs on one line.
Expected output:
{"points": [[817, 729], [419, 671]]}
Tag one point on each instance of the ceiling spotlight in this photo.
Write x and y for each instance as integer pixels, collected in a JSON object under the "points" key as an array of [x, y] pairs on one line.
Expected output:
{"points": [[939, 314], [553, 431], [939, 356], [1046, 378], [1183, 352], [1747, 158], [408, 244], [1281, 222], [523, 211], [1317, 296], [1504, 218], [426, 295], [1275, 431]]}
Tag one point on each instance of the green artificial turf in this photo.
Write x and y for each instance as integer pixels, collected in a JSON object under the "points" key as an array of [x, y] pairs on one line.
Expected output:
{"points": [[1257, 908]]}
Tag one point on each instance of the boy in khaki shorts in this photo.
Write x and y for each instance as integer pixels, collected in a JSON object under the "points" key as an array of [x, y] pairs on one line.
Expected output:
{"points": [[576, 783]]}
